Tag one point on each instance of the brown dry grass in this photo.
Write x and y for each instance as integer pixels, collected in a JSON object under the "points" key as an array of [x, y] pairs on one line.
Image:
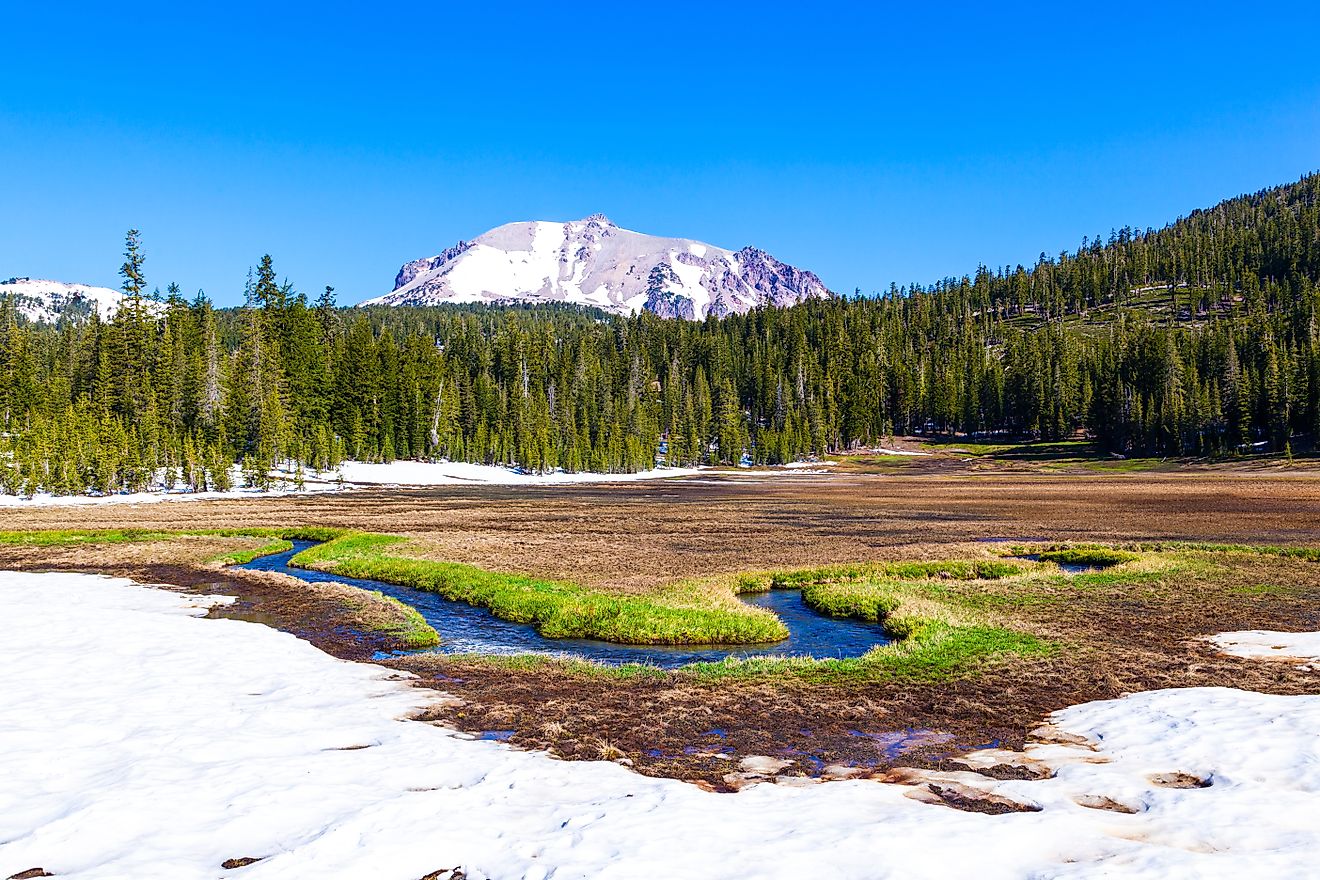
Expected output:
{"points": [[635, 536]]}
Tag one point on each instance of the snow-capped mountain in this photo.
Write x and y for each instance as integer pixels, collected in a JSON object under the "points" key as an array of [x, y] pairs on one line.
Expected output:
{"points": [[42, 300], [595, 263]]}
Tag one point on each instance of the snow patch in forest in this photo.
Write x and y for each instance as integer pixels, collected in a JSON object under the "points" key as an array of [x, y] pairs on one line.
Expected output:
{"points": [[157, 744], [451, 473], [283, 483], [359, 474]]}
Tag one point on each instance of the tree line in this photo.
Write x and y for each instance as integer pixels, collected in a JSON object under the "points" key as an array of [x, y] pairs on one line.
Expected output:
{"points": [[1199, 338]]}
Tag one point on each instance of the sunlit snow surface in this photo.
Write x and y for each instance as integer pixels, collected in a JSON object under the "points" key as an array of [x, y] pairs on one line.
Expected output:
{"points": [[359, 474], [137, 741], [355, 474], [457, 473], [1268, 644]]}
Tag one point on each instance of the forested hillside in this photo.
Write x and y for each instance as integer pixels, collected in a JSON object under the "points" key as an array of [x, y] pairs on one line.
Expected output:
{"points": [[1198, 338]]}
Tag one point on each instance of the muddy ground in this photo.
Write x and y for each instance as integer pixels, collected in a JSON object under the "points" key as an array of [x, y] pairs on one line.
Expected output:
{"points": [[634, 536]]}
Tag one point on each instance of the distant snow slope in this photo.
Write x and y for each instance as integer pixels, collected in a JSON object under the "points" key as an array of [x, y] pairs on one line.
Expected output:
{"points": [[594, 262], [43, 300], [139, 741]]}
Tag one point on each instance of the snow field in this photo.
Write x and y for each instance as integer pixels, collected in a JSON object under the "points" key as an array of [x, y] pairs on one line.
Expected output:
{"points": [[455, 473], [359, 474], [138, 741]]}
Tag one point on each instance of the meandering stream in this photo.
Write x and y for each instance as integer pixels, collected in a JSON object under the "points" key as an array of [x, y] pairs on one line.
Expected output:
{"points": [[465, 629]]}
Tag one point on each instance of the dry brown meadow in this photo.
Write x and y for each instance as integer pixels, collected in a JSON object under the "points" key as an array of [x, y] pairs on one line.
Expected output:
{"points": [[635, 536]]}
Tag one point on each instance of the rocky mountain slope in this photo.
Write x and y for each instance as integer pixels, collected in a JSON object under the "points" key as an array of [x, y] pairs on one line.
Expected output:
{"points": [[593, 262]]}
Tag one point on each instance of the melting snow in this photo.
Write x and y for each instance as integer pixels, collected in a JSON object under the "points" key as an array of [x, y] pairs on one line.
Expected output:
{"points": [[139, 741], [1267, 644], [357, 474]]}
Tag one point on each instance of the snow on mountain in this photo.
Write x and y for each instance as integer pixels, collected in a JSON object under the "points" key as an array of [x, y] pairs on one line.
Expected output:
{"points": [[45, 301], [595, 263]]}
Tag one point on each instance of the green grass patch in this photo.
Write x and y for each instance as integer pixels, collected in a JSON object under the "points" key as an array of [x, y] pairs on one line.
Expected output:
{"points": [[242, 557], [1097, 557], [558, 609], [70, 537], [1047, 450], [1309, 554], [947, 569], [1262, 590], [937, 653], [937, 612], [65, 537], [401, 622], [1123, 465], [954, 569]]}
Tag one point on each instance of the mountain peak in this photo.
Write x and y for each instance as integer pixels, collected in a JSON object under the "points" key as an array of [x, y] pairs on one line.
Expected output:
{"points": [[594, 262]]}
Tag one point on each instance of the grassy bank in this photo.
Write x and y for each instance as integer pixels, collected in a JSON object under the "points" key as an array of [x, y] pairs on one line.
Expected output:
{"points": [[558, 609], [398, 621]]}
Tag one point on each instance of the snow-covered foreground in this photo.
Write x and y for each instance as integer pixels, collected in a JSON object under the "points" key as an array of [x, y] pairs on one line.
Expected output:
{"points": [[138, 741]]}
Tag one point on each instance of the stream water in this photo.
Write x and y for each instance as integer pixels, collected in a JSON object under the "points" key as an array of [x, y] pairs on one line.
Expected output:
{"points": [[465, 629]]}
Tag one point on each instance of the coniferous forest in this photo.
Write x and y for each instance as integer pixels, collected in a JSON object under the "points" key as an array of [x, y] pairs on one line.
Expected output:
{"points": [[1201, 338]]}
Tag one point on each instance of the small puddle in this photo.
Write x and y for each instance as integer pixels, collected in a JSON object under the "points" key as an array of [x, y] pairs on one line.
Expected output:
{"points": [[892, 744], [1065, 567], [466, 629]]}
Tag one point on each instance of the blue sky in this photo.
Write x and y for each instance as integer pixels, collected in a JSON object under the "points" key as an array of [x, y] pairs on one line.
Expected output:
{"points": [[868, 144]]}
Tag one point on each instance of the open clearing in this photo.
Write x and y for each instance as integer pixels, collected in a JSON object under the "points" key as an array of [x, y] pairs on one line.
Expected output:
{"points": [[1119, 635]]}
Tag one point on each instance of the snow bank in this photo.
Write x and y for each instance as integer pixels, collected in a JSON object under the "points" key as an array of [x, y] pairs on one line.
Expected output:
{"points": [[452, 473], [146, 743], [1268, 644], [360, 474], [283, 484], [355, 474]]}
